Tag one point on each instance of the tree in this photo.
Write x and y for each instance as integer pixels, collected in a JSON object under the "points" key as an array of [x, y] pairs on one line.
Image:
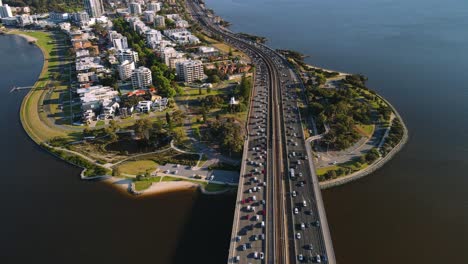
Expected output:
{"points": [[372, 155], [331, 174], [87, 132], [168, 119], [142, 127], [116, 172]]}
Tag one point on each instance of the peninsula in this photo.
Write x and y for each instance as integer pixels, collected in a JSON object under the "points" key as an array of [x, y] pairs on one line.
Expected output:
{"points": [[150, 102]]}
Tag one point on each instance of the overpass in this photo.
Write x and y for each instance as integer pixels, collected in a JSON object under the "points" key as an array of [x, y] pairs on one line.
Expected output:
{"points": [[279, 214]]}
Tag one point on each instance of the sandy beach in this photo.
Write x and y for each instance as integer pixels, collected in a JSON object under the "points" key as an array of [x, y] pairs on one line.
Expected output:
{"points": [[124, 185], [171, 186]]}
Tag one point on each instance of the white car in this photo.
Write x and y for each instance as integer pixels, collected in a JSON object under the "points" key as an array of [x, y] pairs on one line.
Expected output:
{"points": [[294, 194], [296, 211], [298, 235], [262, 256]]}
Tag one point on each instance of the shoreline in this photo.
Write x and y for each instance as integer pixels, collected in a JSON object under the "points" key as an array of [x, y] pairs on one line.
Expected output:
{"points": [[172, 187], [185, 185], [28, 38], [375, 165]]}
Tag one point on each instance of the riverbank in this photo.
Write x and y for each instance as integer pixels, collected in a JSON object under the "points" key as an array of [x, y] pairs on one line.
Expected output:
{"points": [[362, 169], [376, 164], [41, 132]]}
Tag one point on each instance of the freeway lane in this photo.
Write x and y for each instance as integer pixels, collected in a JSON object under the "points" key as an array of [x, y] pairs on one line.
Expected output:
{"points": [[293, 222]]}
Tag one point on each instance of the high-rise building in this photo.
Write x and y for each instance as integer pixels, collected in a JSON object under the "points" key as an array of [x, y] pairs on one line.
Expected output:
{"points": [[154, 6], [149, 16], [134, 8], [159, 21], [190, 70], [126, 70], [94, 8], [5, 11], [167, 53], [127, 54], [153, 37], [141, 78], [80, 17], [118, 40]]}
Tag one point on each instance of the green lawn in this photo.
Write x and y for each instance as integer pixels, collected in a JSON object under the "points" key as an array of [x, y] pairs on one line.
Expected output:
{"points": [[323, 170], [365, 130], [33, 116], [352, 165], [137, 167], [146, 183]]}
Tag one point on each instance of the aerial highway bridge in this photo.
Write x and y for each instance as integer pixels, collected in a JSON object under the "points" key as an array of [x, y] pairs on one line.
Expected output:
{"points": [[279, 213]]}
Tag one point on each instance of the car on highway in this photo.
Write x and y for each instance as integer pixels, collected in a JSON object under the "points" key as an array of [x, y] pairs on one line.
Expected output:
{"points": [[318, 259], [300, 257]]}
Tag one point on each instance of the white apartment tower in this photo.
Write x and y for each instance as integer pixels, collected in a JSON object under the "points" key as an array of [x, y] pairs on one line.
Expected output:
{"points": [[134, 8], [159, 21], [126, 70], [127, 54], [5, 11], [190, 70], [153, 36], [149, 16], [141, 78], [118, 40], [94, 8], [154, 6]]}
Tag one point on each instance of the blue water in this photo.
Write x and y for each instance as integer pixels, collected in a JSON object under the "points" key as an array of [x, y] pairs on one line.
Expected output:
{"points": [[49, 215], [415, 53]]}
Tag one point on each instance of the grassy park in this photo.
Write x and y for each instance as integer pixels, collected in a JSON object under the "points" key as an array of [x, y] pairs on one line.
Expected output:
{"points": [[137, 167], [33, 115]]}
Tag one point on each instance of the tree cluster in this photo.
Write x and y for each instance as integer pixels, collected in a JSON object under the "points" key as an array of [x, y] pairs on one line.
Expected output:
{"points": [[242, 91], [341, 110], [228, 134], [42, 6]]}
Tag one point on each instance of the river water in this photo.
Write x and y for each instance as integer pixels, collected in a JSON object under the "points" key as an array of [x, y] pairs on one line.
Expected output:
{"points": [[48, 215], [413, 210], [415, 53]]}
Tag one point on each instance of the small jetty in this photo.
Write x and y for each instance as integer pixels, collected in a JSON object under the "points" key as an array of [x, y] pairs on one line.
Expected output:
{"points": [[16, 88]]}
